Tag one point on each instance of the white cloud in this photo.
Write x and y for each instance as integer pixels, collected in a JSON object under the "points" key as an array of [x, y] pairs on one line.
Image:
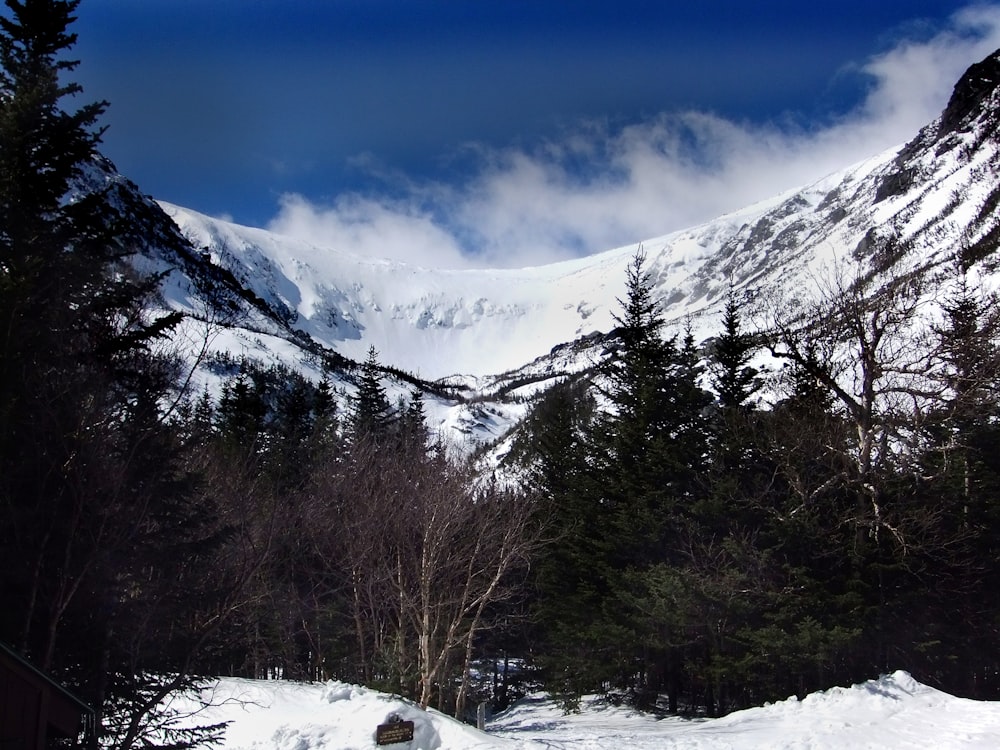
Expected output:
{"points": [[372, 228], [528, 207]]}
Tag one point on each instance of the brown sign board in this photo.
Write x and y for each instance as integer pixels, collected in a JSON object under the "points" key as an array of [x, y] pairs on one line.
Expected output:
{"points": [[397, 731]]}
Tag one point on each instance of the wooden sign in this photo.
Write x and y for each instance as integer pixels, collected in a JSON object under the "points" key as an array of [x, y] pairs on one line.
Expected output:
{"points": [[397, 731]]}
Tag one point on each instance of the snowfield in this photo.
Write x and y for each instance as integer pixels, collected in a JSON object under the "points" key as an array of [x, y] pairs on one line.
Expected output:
{"points": [[891, 713]]}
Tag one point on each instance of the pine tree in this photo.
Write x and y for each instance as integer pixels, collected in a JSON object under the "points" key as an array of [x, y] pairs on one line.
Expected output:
{"points": [[551, 440], [960, 464], [626, 509], [738, 472], [413, 431], [734, 379], [655, 444], [44, 148], [201, 420], [98, 534], [650, 444], [241, 414], [372, 413], [569, 578], [42, 285]]}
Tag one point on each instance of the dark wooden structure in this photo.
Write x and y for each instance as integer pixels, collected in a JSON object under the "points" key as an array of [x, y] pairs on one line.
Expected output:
{"points": [[34, 708]]}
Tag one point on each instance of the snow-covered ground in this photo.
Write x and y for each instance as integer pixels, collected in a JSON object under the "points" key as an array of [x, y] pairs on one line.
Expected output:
{"points": [[893, 712]]}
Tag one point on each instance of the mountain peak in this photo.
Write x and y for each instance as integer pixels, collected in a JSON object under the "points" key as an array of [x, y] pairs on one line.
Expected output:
{"points": [[974, 97]]}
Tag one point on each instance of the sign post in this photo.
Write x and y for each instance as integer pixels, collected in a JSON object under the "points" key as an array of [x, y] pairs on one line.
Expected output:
{"points": [[393, 731]]}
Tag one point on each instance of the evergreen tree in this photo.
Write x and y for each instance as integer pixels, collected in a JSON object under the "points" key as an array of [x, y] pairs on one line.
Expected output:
{"points": [[657, 453], [200, 420], [372, 414], [44, 148], [738, 472], [569, 578], [735, 381], [45, 277], [551, 440], [627, 506], [325, 437], [241, 414], [413, 430], [99, 536], [652, 442], [808, 393], [957, 552]]}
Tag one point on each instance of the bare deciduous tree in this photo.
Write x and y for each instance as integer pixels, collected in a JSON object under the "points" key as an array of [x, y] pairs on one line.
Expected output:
{"points": [[863, 346], [424, 553]]}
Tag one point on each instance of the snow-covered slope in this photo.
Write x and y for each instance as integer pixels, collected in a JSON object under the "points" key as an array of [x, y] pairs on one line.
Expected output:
{"points": [[440, 323], [894, 712], [904, 209], [478, 342], [432, 323]]}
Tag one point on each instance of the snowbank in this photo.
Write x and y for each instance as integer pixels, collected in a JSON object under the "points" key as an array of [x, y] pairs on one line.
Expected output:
{"points": [[891, 713], [894, 712], [280, 715]]}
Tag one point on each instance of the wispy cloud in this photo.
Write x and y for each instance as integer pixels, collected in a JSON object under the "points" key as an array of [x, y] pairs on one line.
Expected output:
{"points": [[372, 227], [602, 186]]}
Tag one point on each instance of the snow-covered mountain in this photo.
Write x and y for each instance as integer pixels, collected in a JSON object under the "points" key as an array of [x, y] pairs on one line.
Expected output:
{"points": [[484, 335]]}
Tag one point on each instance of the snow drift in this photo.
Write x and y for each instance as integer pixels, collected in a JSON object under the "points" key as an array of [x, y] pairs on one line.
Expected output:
{"points": [[894, 712]]}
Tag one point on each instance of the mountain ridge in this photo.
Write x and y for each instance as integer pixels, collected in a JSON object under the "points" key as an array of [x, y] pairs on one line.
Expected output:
{"points": [[492, 336]]}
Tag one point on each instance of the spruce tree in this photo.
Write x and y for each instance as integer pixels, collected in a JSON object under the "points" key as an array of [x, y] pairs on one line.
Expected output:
{"points": [[325, 438], [43, 283], [651, 442], [98, 535], [960, 464], [413, 430], [372, 414], [625, 513], [734, 379], [241, 414], [738, 472], [655, 443], [569, 578]]}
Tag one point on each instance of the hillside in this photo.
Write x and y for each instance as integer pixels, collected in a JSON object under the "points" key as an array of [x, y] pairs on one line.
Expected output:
{"points": [[479, 334]]}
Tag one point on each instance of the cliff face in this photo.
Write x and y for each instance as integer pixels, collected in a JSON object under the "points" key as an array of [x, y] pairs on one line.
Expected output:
{"points": [[974, 102]]}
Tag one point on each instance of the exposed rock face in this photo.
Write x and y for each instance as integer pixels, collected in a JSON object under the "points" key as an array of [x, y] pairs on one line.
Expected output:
{"points": [[974, 98]]}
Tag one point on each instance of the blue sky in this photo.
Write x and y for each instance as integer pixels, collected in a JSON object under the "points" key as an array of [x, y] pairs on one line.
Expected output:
{"points": [[508, 132]]}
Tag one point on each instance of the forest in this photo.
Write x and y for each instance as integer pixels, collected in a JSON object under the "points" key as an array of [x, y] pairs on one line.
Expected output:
{"points": [[678, 526]]}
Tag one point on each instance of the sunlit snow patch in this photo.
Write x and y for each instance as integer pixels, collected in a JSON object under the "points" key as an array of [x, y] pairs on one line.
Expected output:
{"points": [[280, 715], [894, 712]]}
